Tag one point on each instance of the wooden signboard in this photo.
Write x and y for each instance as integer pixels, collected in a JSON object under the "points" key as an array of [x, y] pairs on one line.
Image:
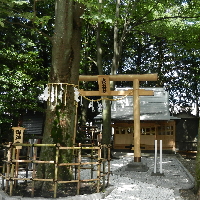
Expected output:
{"points": [[18, 135]]}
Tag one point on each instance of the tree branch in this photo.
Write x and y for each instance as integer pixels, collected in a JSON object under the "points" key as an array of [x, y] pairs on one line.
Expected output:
{"points": [[92, 60], [30, 27], [166, 18]]}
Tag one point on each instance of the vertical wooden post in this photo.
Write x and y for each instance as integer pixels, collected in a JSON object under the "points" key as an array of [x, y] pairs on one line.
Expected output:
{"points": [[75, 160], [34, 170], [17, 151], [56, 171], [27, 158], [4, 168], [136, 111], [8, 165], [91, 160], [79, 170], [75, 127], [12, 170], [104, 167], [108, 177], [99, 169]]}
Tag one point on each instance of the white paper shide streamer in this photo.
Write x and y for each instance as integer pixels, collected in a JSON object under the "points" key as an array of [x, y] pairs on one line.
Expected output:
{"points": [[100, 107], [57, 93], [76, 94], [91, 106]]}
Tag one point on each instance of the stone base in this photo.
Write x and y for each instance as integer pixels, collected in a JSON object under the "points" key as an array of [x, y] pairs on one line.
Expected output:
{"points": [[137, 159], [137, 167], [157, 174]]}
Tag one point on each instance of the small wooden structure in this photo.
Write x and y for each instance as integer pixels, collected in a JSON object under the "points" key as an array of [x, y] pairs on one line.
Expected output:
{"points": [[150, 131], [156, 122], [33, 122], [186, 131], [91, 134]]}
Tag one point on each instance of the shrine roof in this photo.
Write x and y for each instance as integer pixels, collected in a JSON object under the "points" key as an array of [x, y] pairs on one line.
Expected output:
{"points": [[151, 107]]}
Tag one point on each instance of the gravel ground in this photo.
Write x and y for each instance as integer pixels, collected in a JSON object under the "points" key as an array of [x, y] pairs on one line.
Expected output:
{"points": [[189, 164], [125, 184], [175, 184]]}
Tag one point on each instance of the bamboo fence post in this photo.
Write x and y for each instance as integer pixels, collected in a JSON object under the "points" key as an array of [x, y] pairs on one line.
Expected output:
{"points": [[75, 160], [56, 171], [91, 159], [8, 163], [17, 151], [99, 169], [76, 118], [28, 158], [108, 177], [34, 170], [4, 168], [79, 170], [12, 170], [104, 155]]}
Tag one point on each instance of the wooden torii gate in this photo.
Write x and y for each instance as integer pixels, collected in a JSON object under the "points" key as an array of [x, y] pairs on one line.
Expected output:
{"points": [[104, 90]]}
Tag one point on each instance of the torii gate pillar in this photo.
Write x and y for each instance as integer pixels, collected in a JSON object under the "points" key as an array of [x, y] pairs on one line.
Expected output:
{"points": [[136, 111], [104, 90]]}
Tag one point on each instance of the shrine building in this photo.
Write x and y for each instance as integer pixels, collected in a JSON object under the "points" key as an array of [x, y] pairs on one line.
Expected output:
{"points": [[155, 121]]}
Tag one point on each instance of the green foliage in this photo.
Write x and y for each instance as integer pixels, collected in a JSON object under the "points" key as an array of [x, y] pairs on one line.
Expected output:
{"points": [[25, 58], [155, 36], [20, 82], [38, 16], [93, 16]]}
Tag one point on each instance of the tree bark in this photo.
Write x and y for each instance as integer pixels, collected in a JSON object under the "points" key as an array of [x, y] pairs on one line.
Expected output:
{"points": [[60, 118], [106, 115], [107, 130]]}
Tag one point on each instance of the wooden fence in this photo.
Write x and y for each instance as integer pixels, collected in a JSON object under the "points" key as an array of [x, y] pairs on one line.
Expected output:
{"points": [[93, 161]]}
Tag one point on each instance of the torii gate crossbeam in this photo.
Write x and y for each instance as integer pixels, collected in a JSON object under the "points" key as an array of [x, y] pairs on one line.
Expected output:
{"points": [[104, 90]]}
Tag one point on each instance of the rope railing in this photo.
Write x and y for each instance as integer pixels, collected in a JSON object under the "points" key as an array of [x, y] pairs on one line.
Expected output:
{"points": [[95, 162]]}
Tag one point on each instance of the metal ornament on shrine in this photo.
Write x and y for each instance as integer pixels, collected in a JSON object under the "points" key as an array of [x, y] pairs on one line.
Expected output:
{"points": [[136, 92]]}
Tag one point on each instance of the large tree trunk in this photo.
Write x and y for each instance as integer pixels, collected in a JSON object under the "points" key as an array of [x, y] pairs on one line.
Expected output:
{"points": [[106, 115], [60, 118], [107, 130]]}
